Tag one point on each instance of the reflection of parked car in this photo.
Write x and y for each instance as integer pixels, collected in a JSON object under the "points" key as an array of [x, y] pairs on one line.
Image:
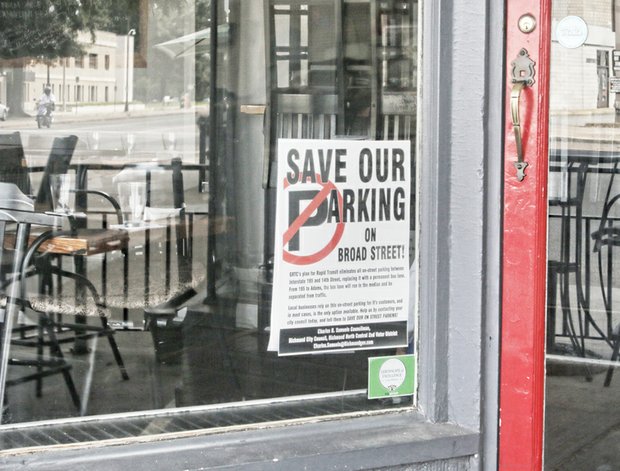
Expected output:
{"points": [[4, 111]]}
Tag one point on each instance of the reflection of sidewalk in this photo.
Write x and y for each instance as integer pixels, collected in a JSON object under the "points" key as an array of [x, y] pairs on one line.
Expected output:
{"points": [[92, 114], [591, 137], [596, 128], [582, 426]]}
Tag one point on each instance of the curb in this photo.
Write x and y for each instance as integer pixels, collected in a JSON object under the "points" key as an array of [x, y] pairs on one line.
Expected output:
{"points": [[19, 123]]}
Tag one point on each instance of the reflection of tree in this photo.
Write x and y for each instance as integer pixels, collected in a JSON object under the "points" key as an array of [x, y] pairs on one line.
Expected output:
{"points": [[34, 31], [203, 15], [39, 31], [155, 22], [119, 16], [165, 74], [170, 20]]}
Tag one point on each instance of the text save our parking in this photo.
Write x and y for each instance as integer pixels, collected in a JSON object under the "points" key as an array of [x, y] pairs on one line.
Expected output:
{"points": [[341, 205]]}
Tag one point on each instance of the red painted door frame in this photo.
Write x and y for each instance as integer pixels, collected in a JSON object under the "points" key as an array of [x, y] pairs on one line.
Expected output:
{"points": [[522, 364]]}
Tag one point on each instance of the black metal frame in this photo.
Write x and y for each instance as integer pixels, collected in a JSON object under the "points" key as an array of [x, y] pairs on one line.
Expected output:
{"points": [[159, 319], [58, 162], [24, 220], [575, 256]]}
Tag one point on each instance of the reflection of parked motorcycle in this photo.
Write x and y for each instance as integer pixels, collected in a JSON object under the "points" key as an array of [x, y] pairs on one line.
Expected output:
{"points": [[44, 114]]}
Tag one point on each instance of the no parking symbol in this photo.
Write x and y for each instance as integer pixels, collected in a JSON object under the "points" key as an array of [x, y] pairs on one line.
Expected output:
{"points": [[314, 214]]}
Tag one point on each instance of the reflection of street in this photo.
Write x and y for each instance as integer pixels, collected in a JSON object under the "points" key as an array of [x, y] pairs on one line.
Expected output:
{"points": [[151, 138], [601, 137], [153, 133]]}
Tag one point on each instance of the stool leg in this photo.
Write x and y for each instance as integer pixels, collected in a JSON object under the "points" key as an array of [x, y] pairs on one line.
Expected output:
{"points": [[40, 353], [552, 287], [614, 358], [109, 333], [56, 351]]}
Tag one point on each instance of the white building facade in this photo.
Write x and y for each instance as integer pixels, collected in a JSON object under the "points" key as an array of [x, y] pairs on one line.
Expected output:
{"points": [[104, 74]]}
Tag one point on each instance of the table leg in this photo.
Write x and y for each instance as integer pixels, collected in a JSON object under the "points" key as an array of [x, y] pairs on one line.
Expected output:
{"points": [[80, 346], [11, 306]]}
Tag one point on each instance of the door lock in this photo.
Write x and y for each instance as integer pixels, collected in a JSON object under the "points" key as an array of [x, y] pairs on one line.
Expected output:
{"points": [[527, 23], [522, 76]]}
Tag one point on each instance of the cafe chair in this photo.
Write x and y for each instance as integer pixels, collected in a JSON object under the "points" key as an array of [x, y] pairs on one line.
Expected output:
{"points": [[17, 215], [14, 169], [162, 307], [13, 165], [163, 320], [85, 302], [54, 308], [608, 235], [161, 298], [571, 261]]}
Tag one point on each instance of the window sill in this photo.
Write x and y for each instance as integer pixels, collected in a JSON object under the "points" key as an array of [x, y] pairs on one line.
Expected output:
{"points": [[386, 440]]}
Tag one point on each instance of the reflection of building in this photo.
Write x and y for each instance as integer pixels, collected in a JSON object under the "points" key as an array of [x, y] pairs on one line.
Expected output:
{"points": [[581, 85], [97, 77]]}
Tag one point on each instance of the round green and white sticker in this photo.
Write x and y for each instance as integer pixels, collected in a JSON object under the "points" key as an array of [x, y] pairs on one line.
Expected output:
{"points": [[391, 376]]}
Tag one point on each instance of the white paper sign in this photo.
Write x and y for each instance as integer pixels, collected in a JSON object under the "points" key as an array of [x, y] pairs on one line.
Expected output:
{"points": [[341, 268]]}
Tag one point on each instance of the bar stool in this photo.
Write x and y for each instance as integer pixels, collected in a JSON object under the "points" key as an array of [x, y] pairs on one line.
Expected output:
{"points": [[573, 260]]}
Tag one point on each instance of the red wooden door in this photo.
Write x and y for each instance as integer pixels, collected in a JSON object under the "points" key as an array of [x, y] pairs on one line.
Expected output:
{"points": [[522, 374]]}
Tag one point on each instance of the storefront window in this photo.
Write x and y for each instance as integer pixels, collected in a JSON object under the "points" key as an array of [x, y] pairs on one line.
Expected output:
{"points": [[220, 220]]}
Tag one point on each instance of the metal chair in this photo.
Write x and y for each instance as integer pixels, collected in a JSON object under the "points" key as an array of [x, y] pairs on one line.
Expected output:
{"points": [[13, 165], [162, 320], [18, 210], [52, 313], [14, 168]]}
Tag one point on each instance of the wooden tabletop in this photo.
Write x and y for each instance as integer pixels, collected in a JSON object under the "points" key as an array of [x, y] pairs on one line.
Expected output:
{"points": [[86, 242], [95, 241]]}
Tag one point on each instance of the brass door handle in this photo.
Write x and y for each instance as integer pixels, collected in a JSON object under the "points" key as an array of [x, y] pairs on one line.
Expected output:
{"points": [[515, 99], [522, 76]]}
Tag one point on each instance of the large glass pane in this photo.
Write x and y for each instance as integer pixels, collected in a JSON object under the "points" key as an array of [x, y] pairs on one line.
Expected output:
{"points": [[148, 140], [582, 317]]}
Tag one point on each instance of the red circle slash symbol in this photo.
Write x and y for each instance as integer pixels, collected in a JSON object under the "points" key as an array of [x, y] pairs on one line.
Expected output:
{"points": [[301, 220]]}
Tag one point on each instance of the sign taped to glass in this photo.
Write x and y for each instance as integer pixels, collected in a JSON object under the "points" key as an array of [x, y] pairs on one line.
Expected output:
{"points": [[342, 246]]}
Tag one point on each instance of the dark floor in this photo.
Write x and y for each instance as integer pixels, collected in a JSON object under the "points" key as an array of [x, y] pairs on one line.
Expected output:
{"points": [[582, 422], [205, 362]]}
